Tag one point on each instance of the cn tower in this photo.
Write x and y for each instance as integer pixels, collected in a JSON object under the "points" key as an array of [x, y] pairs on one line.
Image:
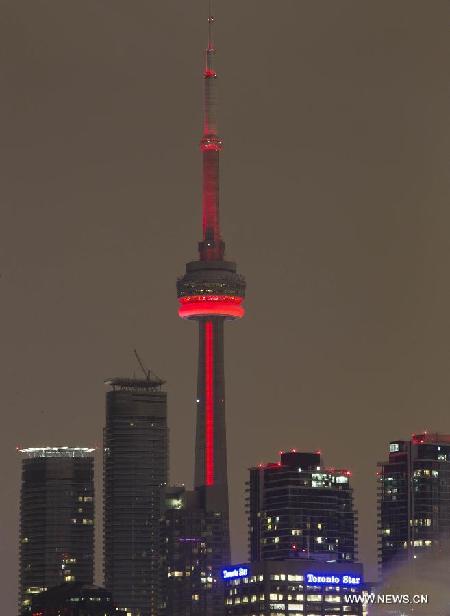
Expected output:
{"points": [[211, 292]]}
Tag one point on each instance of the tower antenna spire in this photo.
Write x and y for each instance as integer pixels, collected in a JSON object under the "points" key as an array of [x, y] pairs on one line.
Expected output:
{"points": [[211, 247], [210, 25]]}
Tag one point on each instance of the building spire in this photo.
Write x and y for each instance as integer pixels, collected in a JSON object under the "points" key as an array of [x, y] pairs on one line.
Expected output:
{"points": [[211, 247]]}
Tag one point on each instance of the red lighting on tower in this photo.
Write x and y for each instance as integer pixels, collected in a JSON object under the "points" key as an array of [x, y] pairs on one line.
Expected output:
{"points": [[195, 306], [209, 402]]}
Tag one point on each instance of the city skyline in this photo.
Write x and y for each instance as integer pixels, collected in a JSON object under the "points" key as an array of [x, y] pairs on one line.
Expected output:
{"points": [[355, 340]]}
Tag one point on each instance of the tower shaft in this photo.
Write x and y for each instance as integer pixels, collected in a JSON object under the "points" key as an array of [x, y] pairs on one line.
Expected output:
{"points": [[210, 451]]}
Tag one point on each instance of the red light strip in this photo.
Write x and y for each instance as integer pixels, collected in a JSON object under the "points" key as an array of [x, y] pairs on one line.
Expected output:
{"points": [[221, 310], [229, 299], [209, 403], [208, 305]]}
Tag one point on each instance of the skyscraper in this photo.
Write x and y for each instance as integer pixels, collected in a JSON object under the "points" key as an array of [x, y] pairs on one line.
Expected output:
{"points": [[211, 292], [56, 519], [192, 553], [414, 499], [135, 469], [298, 508]]}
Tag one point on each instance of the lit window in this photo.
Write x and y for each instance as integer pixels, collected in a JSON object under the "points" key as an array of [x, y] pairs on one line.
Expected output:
{"points": [[341, 479]]}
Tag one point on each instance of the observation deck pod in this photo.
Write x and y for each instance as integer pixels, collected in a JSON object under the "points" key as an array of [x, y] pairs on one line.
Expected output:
{"points": [[209, 289]]}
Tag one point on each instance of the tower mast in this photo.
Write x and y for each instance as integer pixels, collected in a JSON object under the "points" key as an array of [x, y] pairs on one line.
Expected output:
{"points": [[211, 247]]}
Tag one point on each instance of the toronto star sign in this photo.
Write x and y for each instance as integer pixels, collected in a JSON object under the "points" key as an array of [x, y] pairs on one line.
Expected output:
{"points": [[311, 578]]}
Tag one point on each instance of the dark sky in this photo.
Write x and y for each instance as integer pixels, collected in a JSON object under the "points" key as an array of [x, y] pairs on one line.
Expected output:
{"points": [[334, 203]]}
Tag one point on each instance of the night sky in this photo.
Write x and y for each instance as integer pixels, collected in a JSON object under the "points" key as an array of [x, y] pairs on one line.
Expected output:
{"points": [[334, 203]]}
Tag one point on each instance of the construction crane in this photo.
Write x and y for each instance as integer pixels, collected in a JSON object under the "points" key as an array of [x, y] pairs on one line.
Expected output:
{"points": [[147, 373]]}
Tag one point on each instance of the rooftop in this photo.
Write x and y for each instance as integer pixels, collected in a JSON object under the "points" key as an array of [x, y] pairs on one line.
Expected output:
{"points": [[303, 461], [431, 438], [127, 384], [57, 452]]}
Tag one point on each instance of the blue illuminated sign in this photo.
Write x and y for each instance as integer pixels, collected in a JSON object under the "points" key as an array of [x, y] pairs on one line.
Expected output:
{"points": [[237, 572], [333, 580]]}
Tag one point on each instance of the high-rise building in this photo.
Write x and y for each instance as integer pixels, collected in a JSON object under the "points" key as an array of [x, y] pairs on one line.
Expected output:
{"points": [[211, 292], [135, 469], [75, 599], [298, 507], [301, 587], [414, 499], [192, 549], [56, 519]]}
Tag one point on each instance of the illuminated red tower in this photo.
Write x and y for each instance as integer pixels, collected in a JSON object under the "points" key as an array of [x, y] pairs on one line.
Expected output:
{"points": [[211, 292]]}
